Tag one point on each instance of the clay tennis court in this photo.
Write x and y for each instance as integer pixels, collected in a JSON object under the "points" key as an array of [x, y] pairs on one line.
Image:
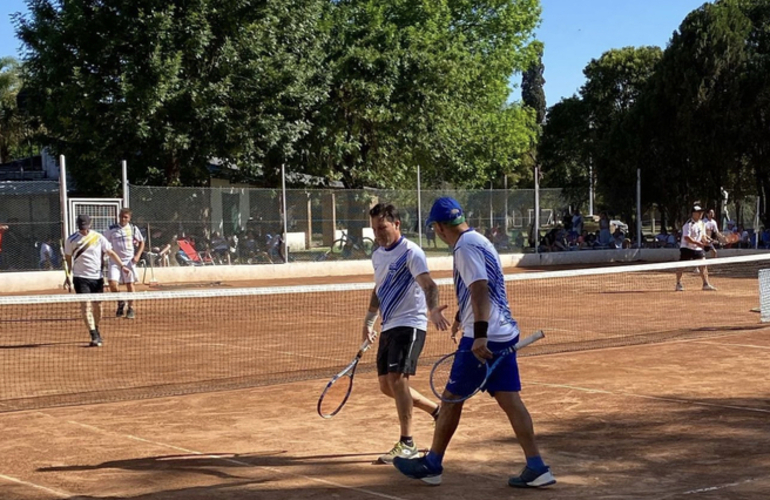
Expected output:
{"points": [[682, 418]]}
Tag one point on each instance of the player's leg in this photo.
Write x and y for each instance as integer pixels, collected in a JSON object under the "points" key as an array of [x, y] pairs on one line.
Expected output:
{"points": [[113, 278], [130, 279], [684, 254], [504, 385], [429, 468], [403, 349], [704, 274]]}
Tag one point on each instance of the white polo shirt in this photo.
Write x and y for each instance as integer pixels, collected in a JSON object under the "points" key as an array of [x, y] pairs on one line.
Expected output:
{"points": [[711, 228], [87, 253], [122, 239], [402, 301], [475, 259], [696, 231]]}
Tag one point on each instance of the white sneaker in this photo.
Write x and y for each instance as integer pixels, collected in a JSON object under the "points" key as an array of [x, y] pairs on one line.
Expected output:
{"points": [[679, 287], [399, 450], [709, 288]]}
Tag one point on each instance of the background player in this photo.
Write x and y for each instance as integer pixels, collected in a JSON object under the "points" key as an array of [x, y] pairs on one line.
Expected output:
{"points": [[692, 247], [127, 241]]}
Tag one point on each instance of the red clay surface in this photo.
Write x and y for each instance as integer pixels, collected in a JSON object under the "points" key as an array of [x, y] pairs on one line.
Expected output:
{"points": [[685, 419]]}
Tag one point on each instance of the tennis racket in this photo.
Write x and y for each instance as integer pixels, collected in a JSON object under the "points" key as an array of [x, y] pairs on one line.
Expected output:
{"points": [[475, 372], [731, 238], [338, 390]]}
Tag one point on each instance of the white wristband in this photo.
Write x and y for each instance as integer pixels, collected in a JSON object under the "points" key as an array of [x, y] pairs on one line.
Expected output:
{"points": [[370, 318]]}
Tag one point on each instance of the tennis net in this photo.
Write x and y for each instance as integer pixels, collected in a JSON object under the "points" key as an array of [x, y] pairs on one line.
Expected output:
{"points": [[188, 341]]}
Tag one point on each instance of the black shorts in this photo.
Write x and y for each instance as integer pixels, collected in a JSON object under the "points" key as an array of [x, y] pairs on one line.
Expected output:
{"points": [[690, 254], [399, 350], [88, 285]]}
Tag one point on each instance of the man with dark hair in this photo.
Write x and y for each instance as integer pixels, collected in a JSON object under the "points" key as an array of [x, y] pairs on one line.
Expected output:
{"points": [[406, 296], [84, 251], [485, 319]]}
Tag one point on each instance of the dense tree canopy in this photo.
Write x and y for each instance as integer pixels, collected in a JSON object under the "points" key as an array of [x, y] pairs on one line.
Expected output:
{"points": [[356, 90], [694, 118]]}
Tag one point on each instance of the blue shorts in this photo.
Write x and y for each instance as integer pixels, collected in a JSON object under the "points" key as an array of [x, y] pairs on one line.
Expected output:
{"points": [[505, 378]]}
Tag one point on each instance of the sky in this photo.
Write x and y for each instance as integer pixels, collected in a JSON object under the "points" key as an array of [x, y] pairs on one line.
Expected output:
{"points": [[573, 31]]}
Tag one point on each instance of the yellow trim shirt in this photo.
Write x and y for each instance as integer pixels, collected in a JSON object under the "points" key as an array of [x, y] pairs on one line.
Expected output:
{"points": [[87, 252]]}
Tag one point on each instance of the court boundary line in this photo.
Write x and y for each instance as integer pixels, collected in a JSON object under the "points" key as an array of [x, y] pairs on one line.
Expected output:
{"points": [[654, 398], [219, 457], [750, 346], [58, 493], [709, 489]]}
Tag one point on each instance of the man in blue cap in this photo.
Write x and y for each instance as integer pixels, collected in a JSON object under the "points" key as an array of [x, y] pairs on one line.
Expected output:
{"points": [[487, 325]]}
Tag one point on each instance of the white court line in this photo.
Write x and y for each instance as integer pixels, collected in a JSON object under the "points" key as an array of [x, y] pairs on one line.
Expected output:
{"points": [[232, 346], [58, 493], [655, 398], [716, 488], [221, 458], [750, 346]]}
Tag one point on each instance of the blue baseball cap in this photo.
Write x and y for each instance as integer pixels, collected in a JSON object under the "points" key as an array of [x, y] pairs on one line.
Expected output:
{"points": [[446, 211]]}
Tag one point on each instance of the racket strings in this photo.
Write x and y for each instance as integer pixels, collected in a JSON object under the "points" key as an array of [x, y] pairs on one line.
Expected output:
{"points": [[335, 396], [461, 375]]}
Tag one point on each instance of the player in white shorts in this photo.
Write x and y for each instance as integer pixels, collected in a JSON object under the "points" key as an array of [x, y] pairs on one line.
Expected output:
{"points": [[128, 243], [84, 252], [406, 296]]}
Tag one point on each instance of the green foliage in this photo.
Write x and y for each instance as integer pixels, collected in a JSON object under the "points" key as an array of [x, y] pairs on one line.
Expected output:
{"points": [[532, 82], [357, 90], [11, 123], [422, 82], [564, 150], [167, 86]]}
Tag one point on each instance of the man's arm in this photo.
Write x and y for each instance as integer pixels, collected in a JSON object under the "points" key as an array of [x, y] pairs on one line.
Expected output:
{"points": [[371, 317], [435, 312], [482, 307], [116, 259], [138, 254]]}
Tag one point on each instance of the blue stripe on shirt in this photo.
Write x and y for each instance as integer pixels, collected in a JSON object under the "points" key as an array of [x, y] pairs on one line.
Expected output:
{"points": [[395, 286]]}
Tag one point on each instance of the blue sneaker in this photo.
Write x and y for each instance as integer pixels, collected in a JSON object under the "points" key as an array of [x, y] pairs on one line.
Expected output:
{"points": [[530, 478], [418, 468]]}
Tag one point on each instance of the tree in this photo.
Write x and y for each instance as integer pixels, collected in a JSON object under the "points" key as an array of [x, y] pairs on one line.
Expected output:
{"points": [[426, 83], [564, 150], [168, 86], [532, 82], [614, 83], [698, 116], [11, 123]]}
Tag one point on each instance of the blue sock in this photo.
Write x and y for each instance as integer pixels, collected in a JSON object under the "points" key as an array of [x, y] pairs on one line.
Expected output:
{"points": [[434, 459], [536, 463]]}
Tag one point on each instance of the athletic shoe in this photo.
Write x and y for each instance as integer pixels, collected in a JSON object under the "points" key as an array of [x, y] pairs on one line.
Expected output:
{"points": [[679, 287], [96, 339], [399, 450], [709, 288], [119, 312], [419, 469], [130, 314], [529, 478]]}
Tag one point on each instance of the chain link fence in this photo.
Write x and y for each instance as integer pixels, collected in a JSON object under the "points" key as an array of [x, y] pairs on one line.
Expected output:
{"points": [[30, 225], [228, 225], [238, 225]]}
